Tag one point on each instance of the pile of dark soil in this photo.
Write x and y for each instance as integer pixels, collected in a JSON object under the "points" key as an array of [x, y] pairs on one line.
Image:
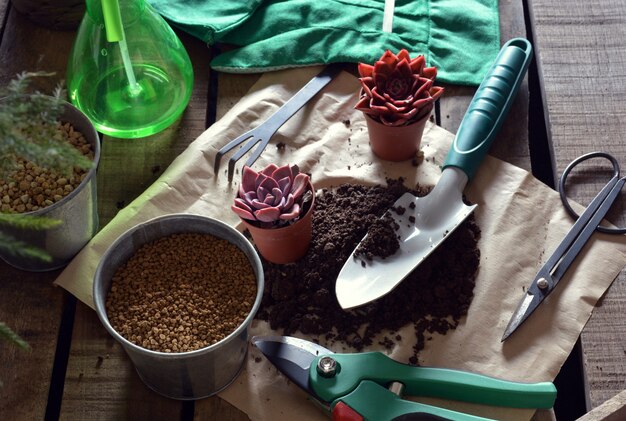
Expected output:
{"points": [[301, 296], [381, 241]]}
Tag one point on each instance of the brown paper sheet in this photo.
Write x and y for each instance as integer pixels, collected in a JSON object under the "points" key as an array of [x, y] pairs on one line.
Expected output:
{"points": [[521, 220]]}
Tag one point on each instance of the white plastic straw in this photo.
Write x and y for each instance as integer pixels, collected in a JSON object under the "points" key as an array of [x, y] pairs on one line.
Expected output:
{"points": [[128, 67]]}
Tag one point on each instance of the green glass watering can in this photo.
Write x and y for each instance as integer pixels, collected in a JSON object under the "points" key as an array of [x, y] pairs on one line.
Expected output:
{"points": [[128, 71]]}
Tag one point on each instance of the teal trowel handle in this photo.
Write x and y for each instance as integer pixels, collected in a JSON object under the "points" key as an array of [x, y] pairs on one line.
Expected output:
{"points": [[489, 107], [354, 370]]}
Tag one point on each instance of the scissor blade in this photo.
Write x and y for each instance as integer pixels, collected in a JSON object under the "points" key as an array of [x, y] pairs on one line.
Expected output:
{"points": [[529, 303], [292, 356], [561, 259]]}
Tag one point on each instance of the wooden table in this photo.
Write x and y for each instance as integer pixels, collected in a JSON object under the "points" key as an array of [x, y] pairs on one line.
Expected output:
{"points": [[581, 49], [75, 370]]}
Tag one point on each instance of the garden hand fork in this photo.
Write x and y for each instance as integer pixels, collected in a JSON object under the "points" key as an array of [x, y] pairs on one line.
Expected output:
{"points": [[263, 133]]}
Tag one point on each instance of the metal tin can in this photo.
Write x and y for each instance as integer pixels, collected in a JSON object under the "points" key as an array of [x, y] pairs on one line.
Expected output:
{"points": [[183, 375], [78, 212]]}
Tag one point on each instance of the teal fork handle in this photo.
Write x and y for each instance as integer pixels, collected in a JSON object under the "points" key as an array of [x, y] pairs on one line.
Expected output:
{"points": [[428, 382], [489, 107]]}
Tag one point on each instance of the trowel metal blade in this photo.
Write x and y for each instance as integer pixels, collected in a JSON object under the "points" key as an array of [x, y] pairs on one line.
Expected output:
{"points": [[422, 228]]}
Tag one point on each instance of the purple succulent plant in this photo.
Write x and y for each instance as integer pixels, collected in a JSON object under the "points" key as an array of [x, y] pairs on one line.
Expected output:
{"points": [[273, 196]]}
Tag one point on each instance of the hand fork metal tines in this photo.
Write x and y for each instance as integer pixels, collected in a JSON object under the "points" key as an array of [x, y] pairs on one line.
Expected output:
{"points": [[264, 132]]}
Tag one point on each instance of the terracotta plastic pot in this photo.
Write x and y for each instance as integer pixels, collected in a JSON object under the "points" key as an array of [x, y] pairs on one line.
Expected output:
{"points": [[286, 244], [395, 143]]}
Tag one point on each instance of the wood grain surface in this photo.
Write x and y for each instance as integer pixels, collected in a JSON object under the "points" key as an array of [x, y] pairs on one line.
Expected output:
{"points": [[32, 307], [100, 382], [29, 303], [4, 7], [612, 410], [98, 369], [582, 57]]}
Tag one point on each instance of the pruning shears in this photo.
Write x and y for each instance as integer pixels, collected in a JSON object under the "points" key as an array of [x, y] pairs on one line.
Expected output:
{"points": [[370, 385]]}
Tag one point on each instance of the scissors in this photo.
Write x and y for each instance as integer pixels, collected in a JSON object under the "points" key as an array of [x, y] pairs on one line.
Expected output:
{"points": [[556, 266], [370, 385]]}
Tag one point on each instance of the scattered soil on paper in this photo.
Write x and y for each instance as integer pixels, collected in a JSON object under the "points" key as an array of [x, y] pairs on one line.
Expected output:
{"points": [[301, 296]]}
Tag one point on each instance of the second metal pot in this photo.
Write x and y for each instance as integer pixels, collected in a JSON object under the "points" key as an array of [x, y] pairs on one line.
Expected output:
{"points": [[78, 212]]}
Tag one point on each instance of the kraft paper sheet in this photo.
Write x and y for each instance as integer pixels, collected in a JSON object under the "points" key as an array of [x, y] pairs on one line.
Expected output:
{"points": [[521, 220]]}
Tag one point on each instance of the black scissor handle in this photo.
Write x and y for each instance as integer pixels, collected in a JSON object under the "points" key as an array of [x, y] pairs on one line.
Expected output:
{"points": [[566, 172]]}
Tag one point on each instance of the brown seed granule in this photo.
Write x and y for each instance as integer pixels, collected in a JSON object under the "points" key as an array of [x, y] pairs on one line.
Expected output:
{"points": [[181, 293], [29, 187], [434, 297]]}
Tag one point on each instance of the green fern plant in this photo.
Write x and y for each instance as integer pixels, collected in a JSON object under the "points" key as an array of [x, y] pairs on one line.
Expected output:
{"points": [[20, 248], [8, 334], [28, 128]]}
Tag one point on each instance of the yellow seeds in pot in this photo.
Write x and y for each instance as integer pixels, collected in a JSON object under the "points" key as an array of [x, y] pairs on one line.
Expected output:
{"points": [[29, 187]]}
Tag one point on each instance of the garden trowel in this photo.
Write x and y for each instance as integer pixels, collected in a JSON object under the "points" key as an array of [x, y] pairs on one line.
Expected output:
{"points": [[428, 220]]}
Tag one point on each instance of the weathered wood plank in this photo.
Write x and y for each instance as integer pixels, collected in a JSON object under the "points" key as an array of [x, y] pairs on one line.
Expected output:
{"points": [[612, 410], [28, 47], [127, 168], [231, 87], [511, 144], [32, 307], [29, 303], [580, 46], [4, 7]]}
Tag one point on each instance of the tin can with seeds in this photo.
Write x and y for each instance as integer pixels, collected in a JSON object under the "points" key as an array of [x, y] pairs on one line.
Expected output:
{"points": [[186, 375], [77, 212]]}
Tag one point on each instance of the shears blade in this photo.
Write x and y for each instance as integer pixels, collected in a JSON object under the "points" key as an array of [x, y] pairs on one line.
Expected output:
{"points": [[530, 301], [292, 356], [559, 262]]}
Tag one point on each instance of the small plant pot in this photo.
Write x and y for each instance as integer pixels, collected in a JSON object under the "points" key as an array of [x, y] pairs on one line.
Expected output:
{"points": [[77, 212], [398, 143], [286, 244], [186, 375]]}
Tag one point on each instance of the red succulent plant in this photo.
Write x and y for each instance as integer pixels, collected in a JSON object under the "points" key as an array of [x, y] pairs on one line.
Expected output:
{"points": [[397, 90], [274, 196]]}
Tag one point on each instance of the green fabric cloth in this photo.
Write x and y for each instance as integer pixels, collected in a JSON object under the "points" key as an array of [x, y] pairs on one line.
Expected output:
{"points": [[460, 37]]}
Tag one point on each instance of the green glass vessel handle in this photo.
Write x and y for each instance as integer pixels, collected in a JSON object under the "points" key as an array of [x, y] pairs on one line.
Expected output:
{"points": [[354, 369], [489, 107]]}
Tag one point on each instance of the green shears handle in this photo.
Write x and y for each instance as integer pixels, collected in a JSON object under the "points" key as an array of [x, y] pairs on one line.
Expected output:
{"points": [[360, 380], [489, 107], [387, 406]]}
